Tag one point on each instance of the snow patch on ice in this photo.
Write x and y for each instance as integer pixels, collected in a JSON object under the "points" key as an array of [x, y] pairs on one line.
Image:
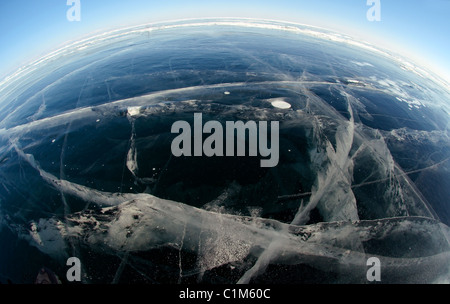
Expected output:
{"points": [[280, 104], [48, 236], [362, 64], [133, 111]]}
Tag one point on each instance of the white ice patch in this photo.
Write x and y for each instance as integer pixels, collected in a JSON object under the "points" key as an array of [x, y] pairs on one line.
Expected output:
{"points": [[132, 164], [397, 89], [413, 103], [362, 64], [47, 235], [356, 82], [280, 104], [132, 159], [133, 111]]}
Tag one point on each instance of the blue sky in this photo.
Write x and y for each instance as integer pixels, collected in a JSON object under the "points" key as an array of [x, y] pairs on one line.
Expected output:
{"points": [[418, 29]]}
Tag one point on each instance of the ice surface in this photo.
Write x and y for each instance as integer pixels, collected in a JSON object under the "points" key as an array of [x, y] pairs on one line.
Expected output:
{"points": [[357, 149], [141, 222], [146, 222]]}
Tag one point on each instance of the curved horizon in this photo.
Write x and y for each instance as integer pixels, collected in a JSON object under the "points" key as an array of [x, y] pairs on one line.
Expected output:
{"points": [[414, 29], [269, 24]]}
